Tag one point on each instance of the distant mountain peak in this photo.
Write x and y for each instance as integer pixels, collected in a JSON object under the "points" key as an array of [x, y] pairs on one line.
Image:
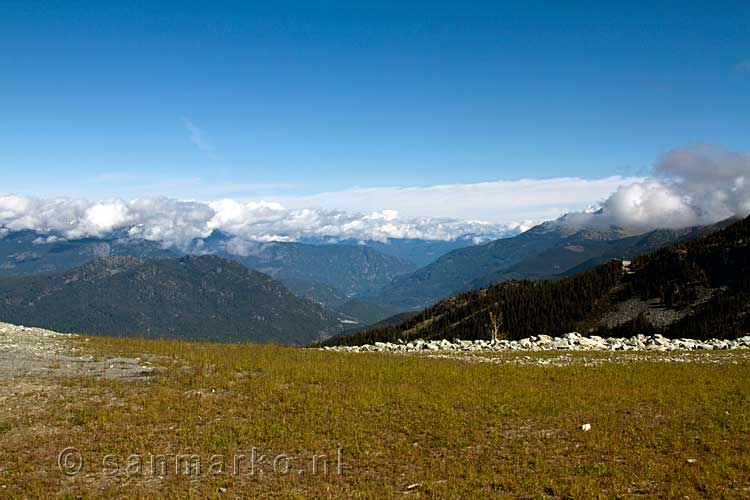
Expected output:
{"points": [[101, 268], [592, 226]]}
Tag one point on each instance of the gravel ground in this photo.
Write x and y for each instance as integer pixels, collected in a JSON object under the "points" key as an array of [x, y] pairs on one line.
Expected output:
{"points": [[37, 352]]}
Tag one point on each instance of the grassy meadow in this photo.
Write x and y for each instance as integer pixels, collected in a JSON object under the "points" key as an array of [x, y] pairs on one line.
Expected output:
{"points": [[407, 427]]}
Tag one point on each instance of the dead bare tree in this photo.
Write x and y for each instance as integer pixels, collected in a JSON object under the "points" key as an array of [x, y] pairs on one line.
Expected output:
{"points": [[496, 322]]}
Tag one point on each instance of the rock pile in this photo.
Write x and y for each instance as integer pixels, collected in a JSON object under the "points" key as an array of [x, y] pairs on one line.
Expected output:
{"points": [[570, 341]]}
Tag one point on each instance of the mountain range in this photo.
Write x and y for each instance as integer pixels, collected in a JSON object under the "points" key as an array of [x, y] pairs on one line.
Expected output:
{"points": [[328, 274], [350, 284], [205, 297], [352, 269], [24, 253], [697, 288], [549, 250], [419, 252]]}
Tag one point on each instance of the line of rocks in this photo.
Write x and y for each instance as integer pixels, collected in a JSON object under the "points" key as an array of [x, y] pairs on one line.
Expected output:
{"points": [[573, 341]]}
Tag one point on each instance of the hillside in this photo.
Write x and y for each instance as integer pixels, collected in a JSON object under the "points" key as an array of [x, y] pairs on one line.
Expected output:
{"points": [[206, 298], [551, 249], [23, 253], [455, 270], [696, 289], [584, 251]]}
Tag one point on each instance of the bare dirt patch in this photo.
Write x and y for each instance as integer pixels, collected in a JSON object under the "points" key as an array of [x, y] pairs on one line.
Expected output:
{"points": [[35, 352]]}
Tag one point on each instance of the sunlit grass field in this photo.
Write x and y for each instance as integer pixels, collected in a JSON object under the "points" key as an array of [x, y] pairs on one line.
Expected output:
{"points": [[406, 426]]}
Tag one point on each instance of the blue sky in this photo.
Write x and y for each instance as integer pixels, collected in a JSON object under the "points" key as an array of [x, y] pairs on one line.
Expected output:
{"points": [[292, 99]]}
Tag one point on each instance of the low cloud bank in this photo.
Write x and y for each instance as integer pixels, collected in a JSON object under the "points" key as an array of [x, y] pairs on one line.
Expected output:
{"points": [[501, 201], [699, 184], [177, 223]]}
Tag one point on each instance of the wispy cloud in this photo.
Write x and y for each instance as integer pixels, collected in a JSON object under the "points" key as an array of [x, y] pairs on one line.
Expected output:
{"points": [[743, 66], [149, 184], [197, 136]]}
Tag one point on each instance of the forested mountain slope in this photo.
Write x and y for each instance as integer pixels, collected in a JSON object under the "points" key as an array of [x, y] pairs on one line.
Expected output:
{"points": [[696, 289], [551, 249], [207, 298]]}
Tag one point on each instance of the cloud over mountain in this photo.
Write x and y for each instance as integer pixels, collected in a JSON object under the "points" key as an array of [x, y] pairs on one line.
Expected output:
{"points": [[698, 184], [176, 223], [695, 185], [483, 211]]}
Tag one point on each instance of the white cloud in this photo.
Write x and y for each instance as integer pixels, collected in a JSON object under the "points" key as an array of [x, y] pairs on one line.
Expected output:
{"points": [[445, 212], [107, 216], [695, 185], [177, 223], [698, 184]]}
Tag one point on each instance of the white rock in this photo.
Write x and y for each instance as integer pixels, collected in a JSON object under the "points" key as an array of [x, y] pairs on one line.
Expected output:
{"points": [[570, 341], [560, 344]]}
